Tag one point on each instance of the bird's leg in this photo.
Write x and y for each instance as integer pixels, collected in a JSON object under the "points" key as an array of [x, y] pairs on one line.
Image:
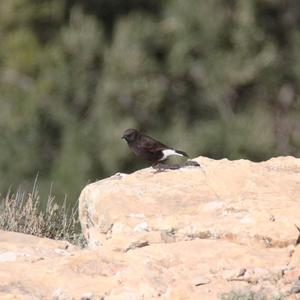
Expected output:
{"points": [[191, 163], [159, 166], [154, 165]]}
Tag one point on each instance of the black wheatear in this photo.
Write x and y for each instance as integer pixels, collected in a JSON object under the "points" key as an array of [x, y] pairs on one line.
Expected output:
{"points": [[148, 148]]}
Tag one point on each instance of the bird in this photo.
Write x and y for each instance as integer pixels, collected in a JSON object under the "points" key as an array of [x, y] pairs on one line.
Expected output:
{"points": [[149, 148]]}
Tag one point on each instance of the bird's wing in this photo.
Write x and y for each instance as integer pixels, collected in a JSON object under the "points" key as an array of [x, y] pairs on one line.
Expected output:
{"points": [[153, 145]]}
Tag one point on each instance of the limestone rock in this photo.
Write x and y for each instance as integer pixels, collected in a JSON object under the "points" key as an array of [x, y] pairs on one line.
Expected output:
{"points": [[240, 200], [245, 210], [191, 233]]}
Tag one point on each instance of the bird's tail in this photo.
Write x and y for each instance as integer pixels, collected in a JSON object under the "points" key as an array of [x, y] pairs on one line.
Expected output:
{"points": [[181, 153]]}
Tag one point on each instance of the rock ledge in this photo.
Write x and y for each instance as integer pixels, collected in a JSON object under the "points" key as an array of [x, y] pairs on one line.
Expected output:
{"points": [[188, 233]]}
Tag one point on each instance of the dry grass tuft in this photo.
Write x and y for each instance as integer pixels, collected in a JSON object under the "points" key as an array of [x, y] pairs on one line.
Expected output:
{"points": [[24, 213]]}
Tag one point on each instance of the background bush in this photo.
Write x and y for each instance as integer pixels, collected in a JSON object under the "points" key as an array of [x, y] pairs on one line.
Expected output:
{"points": [[217, 78]]}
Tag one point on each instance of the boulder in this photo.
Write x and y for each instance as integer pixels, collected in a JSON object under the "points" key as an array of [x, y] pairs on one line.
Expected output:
{"points": [[226, 227], [239, 201], [224, 224]]}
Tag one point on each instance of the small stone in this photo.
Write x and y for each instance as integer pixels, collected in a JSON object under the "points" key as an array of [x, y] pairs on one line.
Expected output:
{"points": [[167, 236], [136, 244], [213, 205], [229, 274], [242, 272], [60, 294], [62, 252], [262, 273], [291, 249], [8, 256], [272, 218], [295, 289], [201, 281], [138, 216], [291, 275], [298, 238], [247, 220], [118, 176], [141, 227], [87, 296]]}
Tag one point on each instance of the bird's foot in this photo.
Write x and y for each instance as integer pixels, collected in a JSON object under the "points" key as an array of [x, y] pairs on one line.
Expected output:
{"points": [[160, 167], [191, 163]]}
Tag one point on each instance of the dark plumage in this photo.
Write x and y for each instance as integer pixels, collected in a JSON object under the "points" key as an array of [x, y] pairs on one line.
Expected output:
{"points": [[148, 148]]}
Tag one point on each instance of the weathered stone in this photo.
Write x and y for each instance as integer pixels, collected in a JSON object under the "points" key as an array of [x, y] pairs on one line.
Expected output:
{"points": [[239, 200], [295, 289], [192, 233]]}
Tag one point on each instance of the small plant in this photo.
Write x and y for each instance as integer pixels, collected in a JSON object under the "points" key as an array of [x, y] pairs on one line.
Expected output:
{"points": [[24, 213]]}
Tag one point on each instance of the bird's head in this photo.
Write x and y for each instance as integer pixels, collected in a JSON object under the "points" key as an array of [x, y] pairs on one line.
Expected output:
{"points": [[130, 135]]}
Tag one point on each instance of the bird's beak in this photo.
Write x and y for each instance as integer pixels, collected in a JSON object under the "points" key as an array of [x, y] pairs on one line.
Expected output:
{"points": [[123, 137]]}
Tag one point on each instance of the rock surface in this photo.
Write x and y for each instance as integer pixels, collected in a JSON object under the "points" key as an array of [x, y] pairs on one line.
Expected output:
{"points": [[191, 233]]}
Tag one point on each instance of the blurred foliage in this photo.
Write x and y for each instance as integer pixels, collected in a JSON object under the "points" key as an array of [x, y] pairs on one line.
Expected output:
{"points": [[218, 78]]}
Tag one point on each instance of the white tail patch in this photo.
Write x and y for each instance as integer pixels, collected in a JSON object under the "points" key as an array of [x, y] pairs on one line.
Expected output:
{"points": [[169, 152]]}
